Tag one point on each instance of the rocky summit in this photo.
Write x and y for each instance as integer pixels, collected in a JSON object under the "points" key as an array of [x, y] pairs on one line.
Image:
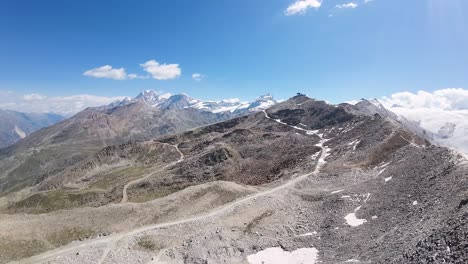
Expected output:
{"points": [[171, 179]]}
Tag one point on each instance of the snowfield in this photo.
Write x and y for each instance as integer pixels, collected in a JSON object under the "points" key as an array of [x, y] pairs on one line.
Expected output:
{"points": [[277, 255]]}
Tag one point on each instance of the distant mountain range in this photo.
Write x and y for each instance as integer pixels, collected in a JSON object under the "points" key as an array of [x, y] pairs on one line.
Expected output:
{"points": [[448, 129], [182, 101], [123, 182], [16, 125], [144, 117]]}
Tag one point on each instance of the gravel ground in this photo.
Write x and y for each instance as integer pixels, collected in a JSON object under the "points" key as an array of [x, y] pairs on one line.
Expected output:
{"points": [[374, 193]]}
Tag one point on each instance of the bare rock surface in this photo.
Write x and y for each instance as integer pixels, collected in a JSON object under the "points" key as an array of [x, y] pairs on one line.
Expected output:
{"points": [[303, 179]]}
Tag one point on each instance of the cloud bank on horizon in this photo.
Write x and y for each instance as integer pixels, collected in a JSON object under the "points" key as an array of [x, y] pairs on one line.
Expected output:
{"points": [[62, 105], [450, 99], [443, 112]]}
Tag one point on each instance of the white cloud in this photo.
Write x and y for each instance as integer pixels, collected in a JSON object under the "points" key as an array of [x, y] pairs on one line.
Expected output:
{"points": [[157, 71], [433, 110], [301, 6], [133, 76], [368, 1], [63, 105], [445, 99], [161, 71], [198, 76], [348, 5], [107, 72]]}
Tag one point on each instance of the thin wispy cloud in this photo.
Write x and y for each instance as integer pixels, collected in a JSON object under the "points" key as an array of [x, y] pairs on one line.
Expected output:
{"points": [[161, 71], [107, 72], [347, 5], [301, 6], [197, 76]]}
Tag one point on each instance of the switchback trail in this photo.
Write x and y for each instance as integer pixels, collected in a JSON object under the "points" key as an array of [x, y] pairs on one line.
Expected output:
{"points": [[124, 192], [111, 240]]}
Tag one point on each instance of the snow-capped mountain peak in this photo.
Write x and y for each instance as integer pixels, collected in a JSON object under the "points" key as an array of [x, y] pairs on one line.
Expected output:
{"points": [[147, 95], [265, 97], [182, 101], [151, 97], [177, 101], [262, 102]]}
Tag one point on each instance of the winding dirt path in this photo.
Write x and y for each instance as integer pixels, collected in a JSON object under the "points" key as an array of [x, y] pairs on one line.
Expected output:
{"points": [[124, 191], [108, 242]]}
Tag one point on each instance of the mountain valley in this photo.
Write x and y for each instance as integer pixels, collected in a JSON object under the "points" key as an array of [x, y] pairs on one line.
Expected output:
{"points": [[16, 125], [338, 183]]}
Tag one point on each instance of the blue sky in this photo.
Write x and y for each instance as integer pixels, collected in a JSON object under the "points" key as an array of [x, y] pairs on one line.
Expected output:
{"points": [[241, 48]]}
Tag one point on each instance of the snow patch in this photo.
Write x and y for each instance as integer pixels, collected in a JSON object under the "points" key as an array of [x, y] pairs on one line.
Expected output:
{"points": [[367, 197], [277, 255], [307, 234], [165, 96], [352, 220], [352, 261], [325, 150], [383, 167], [415, 202], [327, 153], [388, 178], [315, 155], [338, 191], [354, 144], [225, 109], [279, 121]]}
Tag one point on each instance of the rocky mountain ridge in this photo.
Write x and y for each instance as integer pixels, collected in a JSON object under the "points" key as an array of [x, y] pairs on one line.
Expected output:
{"points": [[338, 183]]}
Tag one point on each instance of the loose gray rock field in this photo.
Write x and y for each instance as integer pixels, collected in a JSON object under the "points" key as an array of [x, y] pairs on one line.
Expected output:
{"points": [[302, 182]]}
